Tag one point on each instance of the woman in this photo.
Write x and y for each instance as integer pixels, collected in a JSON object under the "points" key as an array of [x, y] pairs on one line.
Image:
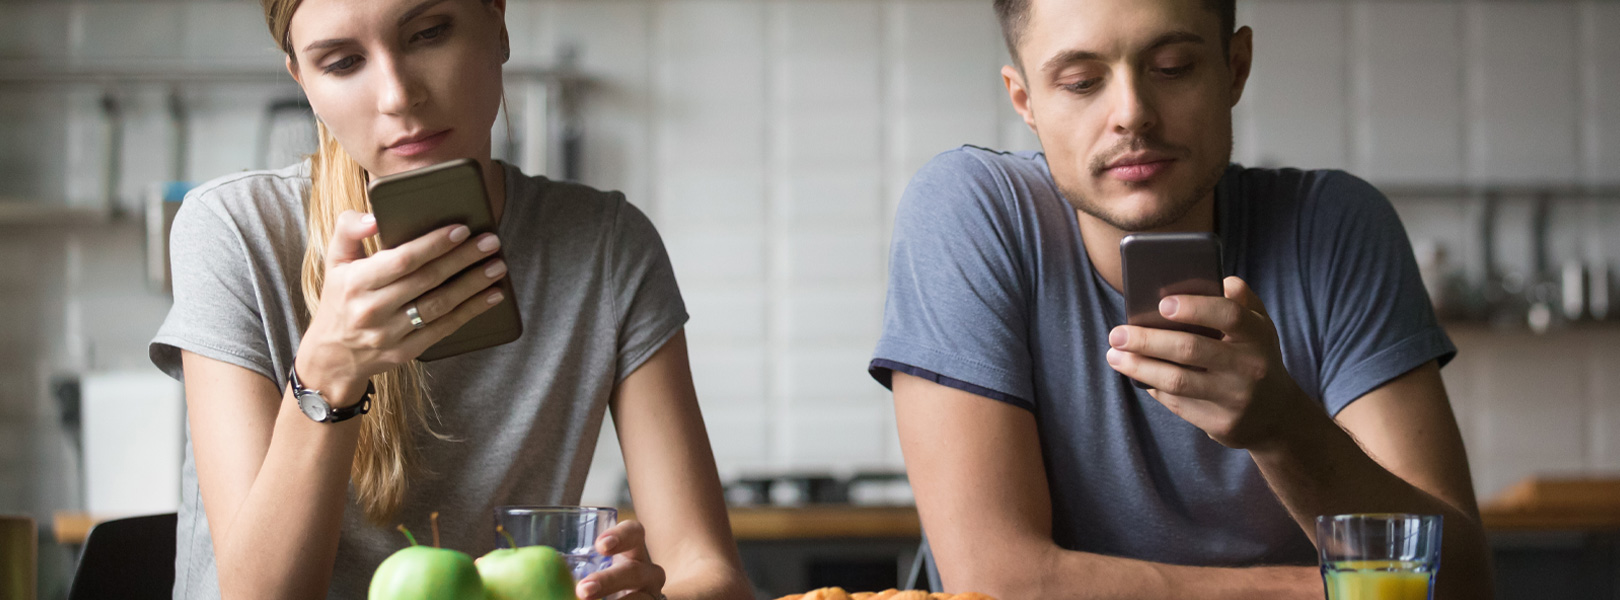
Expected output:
{"points": [[273, 280]]}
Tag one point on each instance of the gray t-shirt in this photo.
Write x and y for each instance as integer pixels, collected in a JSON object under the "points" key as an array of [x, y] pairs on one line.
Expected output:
{"points": [[597, 296], [991, 291]]}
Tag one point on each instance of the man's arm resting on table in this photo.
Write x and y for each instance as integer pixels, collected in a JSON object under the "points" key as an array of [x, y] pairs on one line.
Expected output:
{"points": [[1409, 459], [979, 477]]}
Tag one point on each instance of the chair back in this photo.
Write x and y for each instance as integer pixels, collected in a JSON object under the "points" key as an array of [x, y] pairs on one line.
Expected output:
{"points": [[129, 558]]}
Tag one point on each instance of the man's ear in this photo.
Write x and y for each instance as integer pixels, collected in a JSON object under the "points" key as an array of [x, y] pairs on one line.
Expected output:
{"points": [[1018, 92], [1240, 59]]}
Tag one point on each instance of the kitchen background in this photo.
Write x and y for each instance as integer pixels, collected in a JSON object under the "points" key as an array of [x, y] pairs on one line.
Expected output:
{"points": [[770, 140]]}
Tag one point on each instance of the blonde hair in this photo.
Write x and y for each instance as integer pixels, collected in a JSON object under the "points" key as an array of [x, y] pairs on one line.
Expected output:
{"points": [[387, 456]]}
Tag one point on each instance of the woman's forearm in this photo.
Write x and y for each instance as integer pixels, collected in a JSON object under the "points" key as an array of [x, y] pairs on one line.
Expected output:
{"points": [[708, 580], [282, 540]]}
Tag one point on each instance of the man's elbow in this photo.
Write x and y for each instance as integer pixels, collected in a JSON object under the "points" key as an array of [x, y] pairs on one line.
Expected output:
{"points": [[1002, 575]]}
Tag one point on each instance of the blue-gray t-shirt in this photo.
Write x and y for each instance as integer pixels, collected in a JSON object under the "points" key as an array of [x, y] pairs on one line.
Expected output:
{"points": [[991, 291]]}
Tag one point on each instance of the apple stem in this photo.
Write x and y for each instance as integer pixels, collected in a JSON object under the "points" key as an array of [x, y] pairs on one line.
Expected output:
{"points": [[502, 530], [407, 533], [434, 518]]}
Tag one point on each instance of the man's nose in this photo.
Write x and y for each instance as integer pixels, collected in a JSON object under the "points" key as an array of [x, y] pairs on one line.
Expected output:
{"points": [[1134, 111]]}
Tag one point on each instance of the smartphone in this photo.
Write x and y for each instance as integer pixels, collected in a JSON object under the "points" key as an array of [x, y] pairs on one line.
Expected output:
{"points": [[1155, 265], [414, 203]]}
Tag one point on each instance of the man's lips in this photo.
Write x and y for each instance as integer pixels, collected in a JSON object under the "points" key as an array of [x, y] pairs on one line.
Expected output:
{"points": [[1139, 171], [420, 144]]}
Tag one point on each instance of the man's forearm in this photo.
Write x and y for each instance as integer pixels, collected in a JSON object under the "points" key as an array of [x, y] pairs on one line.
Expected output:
{"points": [[1319, 469], [1086, 576]]}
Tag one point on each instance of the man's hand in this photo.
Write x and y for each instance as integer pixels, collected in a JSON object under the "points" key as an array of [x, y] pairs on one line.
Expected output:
{"points": [[1235, 388]]}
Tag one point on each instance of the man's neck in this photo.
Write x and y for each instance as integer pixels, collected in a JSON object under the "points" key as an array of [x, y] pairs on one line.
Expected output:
{"points": [[1102, 239]]}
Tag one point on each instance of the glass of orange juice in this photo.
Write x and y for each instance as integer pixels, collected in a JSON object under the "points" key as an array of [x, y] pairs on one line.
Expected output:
{"points": [[1379, 556]]}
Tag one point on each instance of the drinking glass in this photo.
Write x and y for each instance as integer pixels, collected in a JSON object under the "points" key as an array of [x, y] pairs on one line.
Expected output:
{"points": [[1379, 556], [570, 530]]}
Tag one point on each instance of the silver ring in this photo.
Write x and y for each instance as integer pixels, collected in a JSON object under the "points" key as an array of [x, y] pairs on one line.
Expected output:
{"points": [[416, 317]]}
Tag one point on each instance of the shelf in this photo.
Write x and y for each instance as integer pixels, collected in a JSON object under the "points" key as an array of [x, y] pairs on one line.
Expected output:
{"points": [[19, 213]]}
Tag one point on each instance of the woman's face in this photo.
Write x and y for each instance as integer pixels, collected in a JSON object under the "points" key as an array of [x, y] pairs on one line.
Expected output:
{"points": [[402, 84]]}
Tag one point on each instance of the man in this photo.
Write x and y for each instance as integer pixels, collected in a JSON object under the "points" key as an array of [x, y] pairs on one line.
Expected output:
{"points": [[1040, 472]]}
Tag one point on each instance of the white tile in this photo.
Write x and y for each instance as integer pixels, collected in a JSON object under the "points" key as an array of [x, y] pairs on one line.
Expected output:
{"points": [[831, 196], [738, 439], [728, 377], [830, 377], [1522, 92], [852, 255], [34, 31], [611, 42], [717, 256], [1534, 400], [943, 63], [834, 439], [711, 197], [827, 53], [223, 131], [1297, 92], [1408, 88], [1599, 54], [835, 315], [732, 316], [527, 26], [926, 131], [121, 32], [229, 32], [1603, 397], [710, 98], [830, 136]]}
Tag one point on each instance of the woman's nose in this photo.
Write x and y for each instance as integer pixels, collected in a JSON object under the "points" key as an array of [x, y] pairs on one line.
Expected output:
{"points": [[400, 89]]}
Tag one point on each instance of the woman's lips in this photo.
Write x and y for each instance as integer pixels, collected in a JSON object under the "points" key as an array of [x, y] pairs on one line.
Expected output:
{"points": [[1139, 172], [421, 146]]}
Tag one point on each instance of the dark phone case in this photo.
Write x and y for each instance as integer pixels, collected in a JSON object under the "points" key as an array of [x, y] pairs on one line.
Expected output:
{"points": [[414, 203], [1155, 265]]}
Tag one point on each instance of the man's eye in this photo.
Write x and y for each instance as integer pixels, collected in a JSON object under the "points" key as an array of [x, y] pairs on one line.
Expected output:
{"points": [[1082, 86], [431, 32], [342, 65], [1176, 71]]}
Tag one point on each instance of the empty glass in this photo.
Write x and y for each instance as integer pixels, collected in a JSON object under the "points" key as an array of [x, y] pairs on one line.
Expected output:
{"points": [[1379, 556], [570, 530]]}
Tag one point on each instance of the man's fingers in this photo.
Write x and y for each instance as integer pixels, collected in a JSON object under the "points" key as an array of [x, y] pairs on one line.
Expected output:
{"points": [[348, 237], [1175, 346], [1237, 290], [1163, 376]]}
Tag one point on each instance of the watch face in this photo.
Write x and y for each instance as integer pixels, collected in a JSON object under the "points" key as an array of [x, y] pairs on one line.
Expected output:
{"points": [[314, 406]]}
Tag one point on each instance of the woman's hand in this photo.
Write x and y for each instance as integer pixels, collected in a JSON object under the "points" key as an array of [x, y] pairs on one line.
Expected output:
{"points": [[633, 571], [362, 326]]}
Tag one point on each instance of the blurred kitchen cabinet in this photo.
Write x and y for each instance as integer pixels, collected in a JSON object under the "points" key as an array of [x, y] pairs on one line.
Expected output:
{"points": [[1522, 92], [1297, 110], [1408, 91]]}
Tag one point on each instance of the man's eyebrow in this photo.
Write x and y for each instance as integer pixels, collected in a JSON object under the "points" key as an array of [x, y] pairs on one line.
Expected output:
{"points": [[413, 13], [1072, 56]]}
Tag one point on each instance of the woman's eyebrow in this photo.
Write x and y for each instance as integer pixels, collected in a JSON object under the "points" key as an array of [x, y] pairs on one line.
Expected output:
{"points": [[414, 12]]}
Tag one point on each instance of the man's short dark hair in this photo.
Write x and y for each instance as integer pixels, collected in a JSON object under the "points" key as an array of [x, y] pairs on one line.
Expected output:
{"points": [[1014, 17]]}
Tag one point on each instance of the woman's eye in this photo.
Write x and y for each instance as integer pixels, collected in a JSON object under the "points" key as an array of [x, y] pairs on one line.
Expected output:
{"points": [[431, 32], [342, 65]]}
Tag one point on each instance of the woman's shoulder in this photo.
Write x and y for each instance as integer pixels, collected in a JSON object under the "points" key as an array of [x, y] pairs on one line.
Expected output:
{"points": [[265, 203], [569, 208]]}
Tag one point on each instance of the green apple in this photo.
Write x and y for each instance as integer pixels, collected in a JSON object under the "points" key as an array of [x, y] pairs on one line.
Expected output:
{"points": [[529, 573], [426, 573]]}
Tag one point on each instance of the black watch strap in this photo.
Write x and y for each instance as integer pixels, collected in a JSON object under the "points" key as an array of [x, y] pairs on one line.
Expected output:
{"points": [[333, 415]]}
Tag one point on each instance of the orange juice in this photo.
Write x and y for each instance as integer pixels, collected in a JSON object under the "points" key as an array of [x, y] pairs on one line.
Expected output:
{"points": [[1377, 580]]}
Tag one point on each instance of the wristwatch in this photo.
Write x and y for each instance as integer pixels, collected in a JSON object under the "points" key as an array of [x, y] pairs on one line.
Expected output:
{"points": [[315, 406]]}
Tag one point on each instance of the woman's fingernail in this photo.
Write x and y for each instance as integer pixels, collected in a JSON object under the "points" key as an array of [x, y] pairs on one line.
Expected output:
{"points": [[1167, 306], [495, 269], [587, 589], [489, 243], [368, 218], [496, 298], [460, 233], [1117, 337]]}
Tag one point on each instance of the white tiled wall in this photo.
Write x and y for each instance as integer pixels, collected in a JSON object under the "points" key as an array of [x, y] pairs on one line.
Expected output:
{"points": [[770, 140]]}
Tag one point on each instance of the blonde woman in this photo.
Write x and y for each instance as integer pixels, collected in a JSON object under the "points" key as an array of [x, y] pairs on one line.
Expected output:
{"points": [[276, 276]]}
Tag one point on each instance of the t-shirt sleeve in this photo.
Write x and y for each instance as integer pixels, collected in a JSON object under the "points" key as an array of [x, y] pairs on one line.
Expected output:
{"points": [[645, 296], [955, 304], [216, 311], [1370, 305]]}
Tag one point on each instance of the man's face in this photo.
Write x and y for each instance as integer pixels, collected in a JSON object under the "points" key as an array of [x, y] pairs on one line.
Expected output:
{"points": [[401, 84], [1131, 100]]}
